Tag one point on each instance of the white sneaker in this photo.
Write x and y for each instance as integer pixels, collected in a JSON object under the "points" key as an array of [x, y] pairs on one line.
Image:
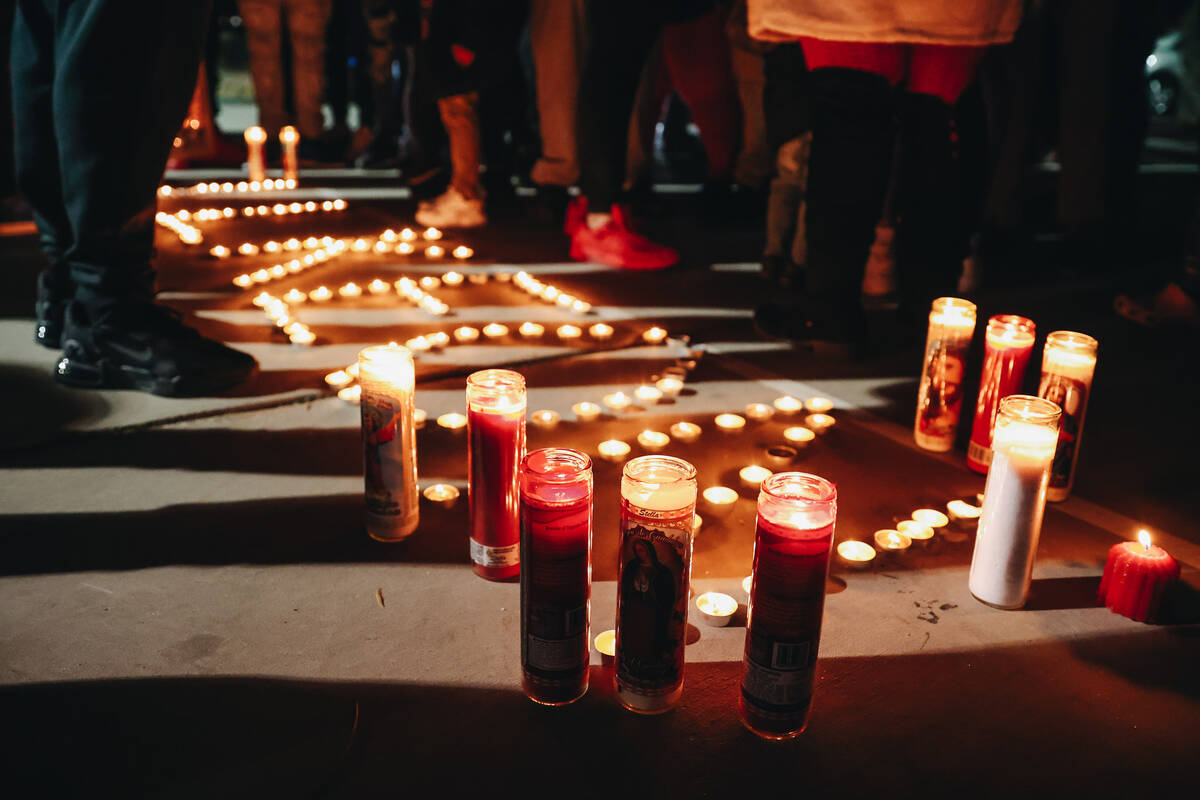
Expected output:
{"points": [[451, 210]]}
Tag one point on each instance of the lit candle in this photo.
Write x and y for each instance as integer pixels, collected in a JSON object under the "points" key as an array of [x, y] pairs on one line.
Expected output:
{"points": [[915, 531], [1008, 345], [438, 340], [338, 379], [350, 289], [452, 421], [1068, 365], [787, 404], [303, 337], [799, 435], [432, 234], [256, 162], [243, 281], [939, 393], [569, 332], [545, 418], [654, 335], [670, 386], [453, 279], [653, 440], [719, 500], [855, 554], [581, 307], [389, 441], [220, 251], [531, 329], [248, 249], [271, 247], [556, 541], [963, 513], [550, 294], [466, 334], [419, 419], [464, 252], [759, 412], [747, 583], [819, 423], [494, 330], [360, 246], [931, 517], [613, 449], [685, 431], [793, 534], [496, 405], [262, 299], [289, 138], [434, 251], [382, 247], [716, 609], [1014, 499], [1138, 577], [819, 405], [429, 283], [606, 646], [647, 394], [600, 331], [295, 296], [891, 541], [443, 494], [658, 501], [586, 411], [418, 344], [477, 278], [351, 394], [617, 402], [752, 476], [730, 423], [378, 286]]}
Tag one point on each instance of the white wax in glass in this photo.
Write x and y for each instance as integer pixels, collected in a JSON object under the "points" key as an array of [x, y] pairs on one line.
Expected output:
{"points": [[672, 496]]}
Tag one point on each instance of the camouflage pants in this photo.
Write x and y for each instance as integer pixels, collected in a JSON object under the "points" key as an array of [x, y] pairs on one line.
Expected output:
{"points": [[304, 21]]}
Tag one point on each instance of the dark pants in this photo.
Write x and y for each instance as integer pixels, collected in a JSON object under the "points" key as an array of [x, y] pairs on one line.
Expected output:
{"points": [[100, 88]]}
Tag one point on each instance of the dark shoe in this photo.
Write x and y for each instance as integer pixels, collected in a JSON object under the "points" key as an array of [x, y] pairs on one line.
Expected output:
{"points": [[48, 311], [145, 347]]}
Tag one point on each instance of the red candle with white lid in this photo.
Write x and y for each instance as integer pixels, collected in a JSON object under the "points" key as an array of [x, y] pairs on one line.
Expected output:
{"points": [[1137, 577]]}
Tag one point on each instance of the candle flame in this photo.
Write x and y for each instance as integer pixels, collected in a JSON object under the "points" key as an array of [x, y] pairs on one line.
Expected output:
{"points": [[1144, 538]]}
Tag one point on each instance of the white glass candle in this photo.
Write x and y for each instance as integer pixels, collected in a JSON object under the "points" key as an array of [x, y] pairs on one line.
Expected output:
{"points": [[389, 441], [1068, 365], [256, 163], [289, 140], [939, 394], [1014, 499]]}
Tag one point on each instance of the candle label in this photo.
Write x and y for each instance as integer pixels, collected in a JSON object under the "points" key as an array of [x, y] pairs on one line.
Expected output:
{"points": [[652, 600], [939, 400], [1071, 395], [486, 556], [389, 479], [1003, 369], [979, 454]]}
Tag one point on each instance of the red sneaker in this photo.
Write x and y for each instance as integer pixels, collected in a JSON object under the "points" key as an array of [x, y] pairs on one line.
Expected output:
{"points": [[618, 246], [576, 215]]}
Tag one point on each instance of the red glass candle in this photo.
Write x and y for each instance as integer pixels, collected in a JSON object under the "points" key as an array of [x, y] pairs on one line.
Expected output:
{"points": [[796, 514], [556, 574], [1008, 345], [1137, 576], [496, 445]]}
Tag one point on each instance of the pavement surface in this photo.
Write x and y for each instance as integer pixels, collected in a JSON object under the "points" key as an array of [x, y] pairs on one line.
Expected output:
{"points": [[189, 605]]}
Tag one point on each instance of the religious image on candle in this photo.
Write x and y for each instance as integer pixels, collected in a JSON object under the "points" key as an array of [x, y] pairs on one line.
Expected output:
{"points": [[495, 446], [389, 441], [658, 502], [1007, 347], [1068, 365], [939, 395]]}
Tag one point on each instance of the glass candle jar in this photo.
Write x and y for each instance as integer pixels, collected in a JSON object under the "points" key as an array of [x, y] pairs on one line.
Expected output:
{"points": [[495, 446], [939, 396], [792, 544], [1007, 349], [389, 438], [1068, 365]]}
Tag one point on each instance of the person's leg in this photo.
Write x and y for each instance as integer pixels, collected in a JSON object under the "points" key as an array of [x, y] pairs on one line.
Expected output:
{"points": [[558, 38], [461, 205], [752, 166], [306, 22], [263, 20]]}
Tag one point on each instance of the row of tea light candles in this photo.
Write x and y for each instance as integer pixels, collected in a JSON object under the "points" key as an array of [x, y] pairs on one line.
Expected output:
{"points": [[228, 187]]}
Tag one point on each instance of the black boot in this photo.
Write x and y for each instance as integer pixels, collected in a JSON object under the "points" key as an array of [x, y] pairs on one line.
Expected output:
{"points": [[53, 295]]}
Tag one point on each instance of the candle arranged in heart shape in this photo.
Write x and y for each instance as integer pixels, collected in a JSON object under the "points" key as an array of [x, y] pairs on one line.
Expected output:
{"points": [[1137, 576]]}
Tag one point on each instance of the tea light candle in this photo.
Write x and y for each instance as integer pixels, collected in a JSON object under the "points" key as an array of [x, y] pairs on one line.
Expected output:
{"points": [[747, 583], [647, 394], [697, 522], [581, 307], [819, 423], [931, 517], [855, 554], [531, 329], [752, 476], [963, 513], [617, 402], [787, 404], [545, 418], [434, 251], [586, 411], [819, 405], [320, 294], [429, 282], [780, 456], [1137, 578], [606, 646], [452, 279], [759, 412], [378, 286], [350, 289], [463, 252], [569, 332], [613, 449], [256, 163], [799, 435], [670, 386], [892, 541], [478, 278], [453, 421], [408, 235], [685, 431], [719, 499], [402, 248], [653, 440], [716, 609], [466, 334], [419, 417], [220, 251], [432, 234], [600, 331], [248, 249], [444, 494], [351, 394], [243, 281], [494, 330], [654, 335], [438, 340], [295, 297], [730, 423], [418, 344], [338, 379], [914, 530]]}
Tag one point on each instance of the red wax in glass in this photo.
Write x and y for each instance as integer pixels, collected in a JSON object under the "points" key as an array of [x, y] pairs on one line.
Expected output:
{"points": [[496, 447], [1004, 363], [783, 626], [1136, 579], [556, 537]]}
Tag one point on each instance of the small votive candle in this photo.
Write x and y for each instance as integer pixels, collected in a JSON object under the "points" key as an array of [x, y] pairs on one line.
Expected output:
{"points": [[647, 394], [931, 517], [759, 412], [545, 418], [462, 252], [586, 411], [819, 423], [719, 500], [569, 332], [402, 248], [434, 251], [466, 334], [601, 331], [670, 386], [613, 449], [295, 296], [617, 402], [606, 646], [453, 421], [429, 282], [531, 329], [444, 494], [799, 435], [1137, 578], [716, 609], [378, 286], [914, 530], [338, 379], [819, 405], [320, 294], [653, 440], [453, 279], [753, 475], [685, 431], [747, 583], [419, 417], [248, 249], [350, 394], [855, 554], [891, 541], [787, 404], [963, 513], [494, 330], [655, 335], [432, 234], [730, 423], [350, 289], [220, 251]]}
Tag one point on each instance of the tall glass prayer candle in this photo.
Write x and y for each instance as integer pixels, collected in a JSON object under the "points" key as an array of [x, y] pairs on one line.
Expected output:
{"points": [[1014, 500], [658, 503], [939, 398], [1068, 364], [385, 373], [556, 574], [1007, 349], [256, 161], [796, 514], [496, 445], [289, 140]]}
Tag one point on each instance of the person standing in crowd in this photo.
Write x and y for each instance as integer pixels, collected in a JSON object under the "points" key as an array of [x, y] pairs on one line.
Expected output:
{"points": [[304, 21], [558, 40], [94, 121], [872, 64]]}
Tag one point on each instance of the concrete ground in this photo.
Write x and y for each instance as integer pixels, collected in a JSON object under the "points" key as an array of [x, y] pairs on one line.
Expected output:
{"points": [[189, 605]]}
